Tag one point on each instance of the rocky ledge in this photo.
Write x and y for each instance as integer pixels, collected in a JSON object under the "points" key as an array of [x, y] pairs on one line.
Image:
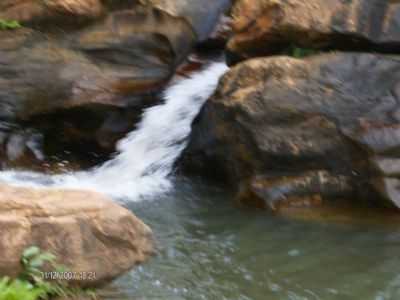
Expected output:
{"points": [[78, 74], [304, 131], [265, 27], [88, 233]]}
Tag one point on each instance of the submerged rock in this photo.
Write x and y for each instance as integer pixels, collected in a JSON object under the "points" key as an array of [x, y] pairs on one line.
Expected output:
{"points": [[86, 231], [265, 27], [291, 131], [304, 190]]}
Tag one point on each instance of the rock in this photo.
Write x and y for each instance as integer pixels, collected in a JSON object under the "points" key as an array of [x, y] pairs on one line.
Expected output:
{"points": [[389, 167], [85, 230], [34, 11], [265, 27], [343, 213], [202, 15], [389, 188], [288, 129], [307, 189], [85, 90]]}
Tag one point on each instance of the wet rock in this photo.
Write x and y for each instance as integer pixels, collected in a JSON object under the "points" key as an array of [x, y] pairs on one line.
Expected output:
{"points": [[288, 121], [19, 147], [307, 189], [344, 213], [20, 142], [389, 189], [84, 89], [85, 230], [73, 87], [265, 27], [389, 167]]}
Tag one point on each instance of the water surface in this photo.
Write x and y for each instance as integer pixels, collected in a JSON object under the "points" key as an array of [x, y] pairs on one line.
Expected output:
{"points": [[210, 249]]}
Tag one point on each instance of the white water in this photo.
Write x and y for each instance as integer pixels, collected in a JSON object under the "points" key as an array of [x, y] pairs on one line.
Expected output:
{"points": [[146, 156]]}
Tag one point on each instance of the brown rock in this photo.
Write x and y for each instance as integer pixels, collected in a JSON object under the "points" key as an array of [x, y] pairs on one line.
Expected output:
{"points": [[85, 230], [265, 27], [305, 190], [34, 11], [288, 120], [85, 90]]}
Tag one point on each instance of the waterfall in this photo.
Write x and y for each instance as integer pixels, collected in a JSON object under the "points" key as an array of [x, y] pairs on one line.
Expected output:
{"points": [[146, 156]]}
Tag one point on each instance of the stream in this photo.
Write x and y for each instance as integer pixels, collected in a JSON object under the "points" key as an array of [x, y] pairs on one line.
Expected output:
{"points": [[209, 249]]}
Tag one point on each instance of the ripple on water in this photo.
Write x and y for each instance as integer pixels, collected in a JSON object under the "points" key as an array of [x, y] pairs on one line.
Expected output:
{"points": [[221, 252]]}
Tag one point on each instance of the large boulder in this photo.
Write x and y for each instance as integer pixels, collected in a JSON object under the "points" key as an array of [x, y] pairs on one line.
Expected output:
{"points": [[85, 90], [287, 131], [270, 26], [84, 230], [81, 91]]}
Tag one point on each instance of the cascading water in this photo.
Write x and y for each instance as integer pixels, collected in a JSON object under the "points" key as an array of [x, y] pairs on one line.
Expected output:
{"points": [[146, 155], [209, 249]]}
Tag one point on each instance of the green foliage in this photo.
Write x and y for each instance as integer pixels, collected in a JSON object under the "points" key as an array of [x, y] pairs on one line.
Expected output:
{"points": [[20, 290], [33, 260], [9, 24], [31, 284], [301, 52]]}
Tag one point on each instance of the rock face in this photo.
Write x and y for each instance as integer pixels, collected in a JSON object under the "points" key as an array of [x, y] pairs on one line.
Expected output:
{"points": [[84, 89], [288, 131], [86, 231], [106, 64], [265, 27], [89, 87]]}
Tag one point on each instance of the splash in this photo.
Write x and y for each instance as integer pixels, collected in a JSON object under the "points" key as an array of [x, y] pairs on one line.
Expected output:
{"points": [[146, 156]]}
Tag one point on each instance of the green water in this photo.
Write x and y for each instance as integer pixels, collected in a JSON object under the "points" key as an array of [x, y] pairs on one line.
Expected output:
{"points": [[210, 249]]}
